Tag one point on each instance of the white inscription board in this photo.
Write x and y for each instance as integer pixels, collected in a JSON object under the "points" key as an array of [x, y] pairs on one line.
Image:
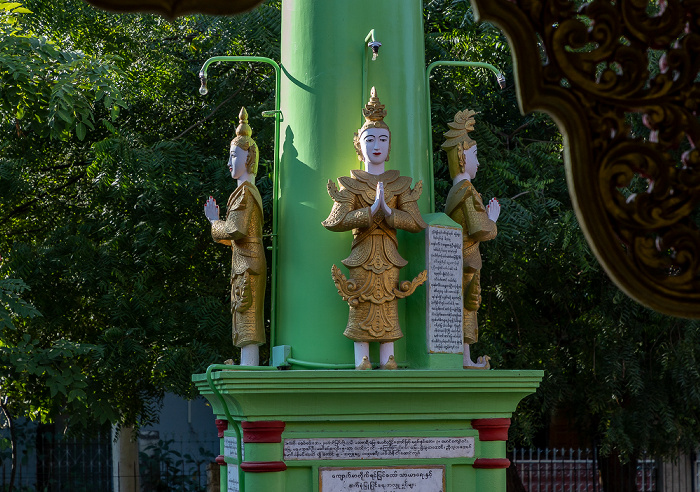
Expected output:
{"points": [[232, 478], [416, 479], [230, 444], [380, 448], [444, 314]]}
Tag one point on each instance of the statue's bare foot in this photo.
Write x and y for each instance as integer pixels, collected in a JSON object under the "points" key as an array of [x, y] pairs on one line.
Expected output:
{"points": [[481, 363], [364, 365], [229, 362], [390, 364]]}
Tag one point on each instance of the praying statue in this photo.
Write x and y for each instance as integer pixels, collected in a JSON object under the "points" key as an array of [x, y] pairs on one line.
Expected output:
{"points": [[464, 206], [374, 203], [242, 230]]}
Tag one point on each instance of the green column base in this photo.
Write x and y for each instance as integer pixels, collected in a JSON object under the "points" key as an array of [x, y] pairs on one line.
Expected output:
{"points": [[376, 406]]}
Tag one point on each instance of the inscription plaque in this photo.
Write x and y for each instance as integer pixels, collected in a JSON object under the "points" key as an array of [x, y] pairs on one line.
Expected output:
{"points": [[416, 479], [232, 478], [444, 314], [230, 447], [380, 448]]}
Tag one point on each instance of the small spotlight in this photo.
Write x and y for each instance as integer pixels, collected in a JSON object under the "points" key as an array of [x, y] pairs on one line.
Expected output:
{"points": [[203, 89], [501, 80], [375, 48]]}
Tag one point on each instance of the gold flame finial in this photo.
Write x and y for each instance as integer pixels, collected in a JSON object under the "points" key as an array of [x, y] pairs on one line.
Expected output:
{"points": [[243, 129]]}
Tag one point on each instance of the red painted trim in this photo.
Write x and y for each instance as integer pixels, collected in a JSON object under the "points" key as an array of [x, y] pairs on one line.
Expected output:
{"points": [[263, 431], [492, 429], [221, 426], [220, 460], [491, 463], [263, 466]]}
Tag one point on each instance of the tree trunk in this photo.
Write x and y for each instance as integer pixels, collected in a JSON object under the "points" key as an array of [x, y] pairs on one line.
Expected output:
{"points": [[125, 461], [13, 444], [513, 481]]}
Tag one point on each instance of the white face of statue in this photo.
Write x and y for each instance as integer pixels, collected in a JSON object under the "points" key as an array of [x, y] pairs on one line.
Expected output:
{"points": [[237, 161], [471, 163], [374, 143]]}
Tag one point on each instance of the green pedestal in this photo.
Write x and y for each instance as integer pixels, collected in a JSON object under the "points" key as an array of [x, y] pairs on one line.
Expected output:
{"points": [[324, 430]]}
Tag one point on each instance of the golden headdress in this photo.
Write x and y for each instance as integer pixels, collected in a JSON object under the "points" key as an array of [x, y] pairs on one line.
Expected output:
{"points": [[374, 114], [244, 140], [457, 140]]}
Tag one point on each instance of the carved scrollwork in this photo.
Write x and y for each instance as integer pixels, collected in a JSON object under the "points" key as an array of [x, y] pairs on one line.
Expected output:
{"points": [[604, 63]]}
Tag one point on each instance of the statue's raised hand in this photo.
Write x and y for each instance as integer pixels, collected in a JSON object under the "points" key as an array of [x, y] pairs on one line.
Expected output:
{"points": [[211, 210], [380, 201], [493, 209]]}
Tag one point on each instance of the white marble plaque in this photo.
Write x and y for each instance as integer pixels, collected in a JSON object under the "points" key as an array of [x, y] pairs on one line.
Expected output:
{"points": [[444, 314], [232, 478], [230, 443], [416, 479], [379, 448]]}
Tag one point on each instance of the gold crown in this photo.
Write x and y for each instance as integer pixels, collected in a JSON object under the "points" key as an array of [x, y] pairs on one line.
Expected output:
{"points": [[373, 110], [459, 130], [244, 140], [374, 114], [243, 129]]}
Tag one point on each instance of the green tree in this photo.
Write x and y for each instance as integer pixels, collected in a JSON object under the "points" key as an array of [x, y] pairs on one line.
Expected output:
{"points": [[106, 146]]}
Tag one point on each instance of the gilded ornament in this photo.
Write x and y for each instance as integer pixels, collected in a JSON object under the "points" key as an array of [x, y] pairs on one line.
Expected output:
{"points": [[464, 206], [242, 231], [374, 203], [600, 63]]}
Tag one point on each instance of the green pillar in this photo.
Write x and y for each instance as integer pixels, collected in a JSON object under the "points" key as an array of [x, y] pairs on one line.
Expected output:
{"points": [[323, 48]]}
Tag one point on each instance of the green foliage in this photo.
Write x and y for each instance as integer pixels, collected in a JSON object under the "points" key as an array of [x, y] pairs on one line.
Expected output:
{"points": [[40, 375], [107, 145]]}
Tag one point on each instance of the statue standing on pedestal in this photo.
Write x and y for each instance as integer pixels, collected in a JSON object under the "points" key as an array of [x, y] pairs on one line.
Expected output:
{"points": [[242, 230], [464, 206], [374, 203]]}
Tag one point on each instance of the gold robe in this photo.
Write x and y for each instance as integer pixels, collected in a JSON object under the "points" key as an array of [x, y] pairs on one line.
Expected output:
{"points": [[374, 262], [464, 206], [242, 230]]}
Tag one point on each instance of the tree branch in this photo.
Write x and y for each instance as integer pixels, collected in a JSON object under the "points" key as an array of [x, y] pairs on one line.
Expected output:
{"points": [[521, 194], [25, 206]]}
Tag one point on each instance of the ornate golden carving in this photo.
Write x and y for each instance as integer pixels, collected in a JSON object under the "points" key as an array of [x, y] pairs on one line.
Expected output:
{"points": [[373, 204], [374, 262], [242, 230], [597, 69]]}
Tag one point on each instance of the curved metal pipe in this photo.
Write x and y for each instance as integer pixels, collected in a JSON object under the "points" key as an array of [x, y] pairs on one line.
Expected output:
{"points": [[501, 82], [277, 113]]}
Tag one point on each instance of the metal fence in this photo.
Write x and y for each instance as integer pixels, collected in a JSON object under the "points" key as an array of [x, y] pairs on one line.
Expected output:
{"points": [[73, 464], [574, 470], [57, 464]]}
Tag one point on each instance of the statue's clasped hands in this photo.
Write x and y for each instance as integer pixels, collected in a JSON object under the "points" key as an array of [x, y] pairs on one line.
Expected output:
{"points": [[211, 210], [380, 201], [493, 209]]}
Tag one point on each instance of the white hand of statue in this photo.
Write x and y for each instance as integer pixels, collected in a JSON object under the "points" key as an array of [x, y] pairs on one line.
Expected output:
{"points": [[211, 210], [379, 201], [493, 209]]}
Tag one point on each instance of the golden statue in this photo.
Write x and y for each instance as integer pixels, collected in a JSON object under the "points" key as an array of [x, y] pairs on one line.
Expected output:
{"points": [[374, 203], [242, 230], [464, 206]]}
